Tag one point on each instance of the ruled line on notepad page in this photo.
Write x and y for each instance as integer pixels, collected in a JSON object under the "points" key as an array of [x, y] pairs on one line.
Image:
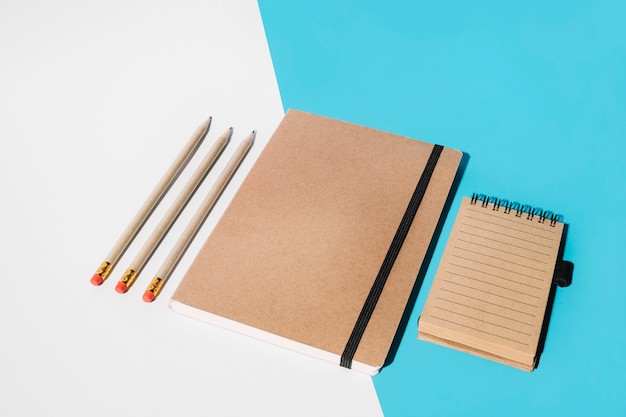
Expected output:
{"points": [[493, 285], [511, 218], [484, 321], [496, 276], [498, 267], [498, 258], [492, 239], [505, 251], [505, 234], [481, 331], [490, 293], [487, 302], [490, 313], [526, 230]]}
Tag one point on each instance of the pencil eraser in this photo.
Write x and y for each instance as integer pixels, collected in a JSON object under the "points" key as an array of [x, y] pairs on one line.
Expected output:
{"points": [[148, 296], [96, 279], [121, 287]]}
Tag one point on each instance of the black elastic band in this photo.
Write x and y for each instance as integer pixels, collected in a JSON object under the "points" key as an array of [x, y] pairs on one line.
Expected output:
{"points": [[390, 258]]}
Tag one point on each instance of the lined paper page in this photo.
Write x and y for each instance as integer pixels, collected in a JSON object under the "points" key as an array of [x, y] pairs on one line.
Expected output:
{"points": [[491, 289]]}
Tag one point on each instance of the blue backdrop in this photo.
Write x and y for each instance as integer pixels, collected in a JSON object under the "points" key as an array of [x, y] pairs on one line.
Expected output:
{"points": [[534, 93]]}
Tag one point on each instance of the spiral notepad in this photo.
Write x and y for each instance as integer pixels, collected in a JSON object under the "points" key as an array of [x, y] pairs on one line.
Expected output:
{"points": [[491, 290]]}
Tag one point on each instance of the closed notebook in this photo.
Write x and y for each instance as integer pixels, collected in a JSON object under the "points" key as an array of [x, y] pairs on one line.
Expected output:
{"points": [[320, 247], [490, 294]]}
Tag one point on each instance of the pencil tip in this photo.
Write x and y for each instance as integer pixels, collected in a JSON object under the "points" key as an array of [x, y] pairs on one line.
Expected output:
{"points": [[252, 138], [121, 287], [96, 280], [228, 134], [148, 296]]}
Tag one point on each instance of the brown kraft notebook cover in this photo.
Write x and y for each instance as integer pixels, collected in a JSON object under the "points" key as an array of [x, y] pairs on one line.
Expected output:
{"points": [[310, 254]]}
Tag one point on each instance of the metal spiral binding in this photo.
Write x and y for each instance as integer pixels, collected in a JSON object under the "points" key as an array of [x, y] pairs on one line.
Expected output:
{"points": [[519, 209]]}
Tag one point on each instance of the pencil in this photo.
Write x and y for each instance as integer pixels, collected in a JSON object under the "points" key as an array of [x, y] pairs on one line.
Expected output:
{"points": [[105, 268], [197, 220], [172, 214]]}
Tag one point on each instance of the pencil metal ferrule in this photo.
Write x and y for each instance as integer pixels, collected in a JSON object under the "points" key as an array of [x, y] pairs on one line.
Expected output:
{"points": [[104, 270], [129, 277], [156, 285]]}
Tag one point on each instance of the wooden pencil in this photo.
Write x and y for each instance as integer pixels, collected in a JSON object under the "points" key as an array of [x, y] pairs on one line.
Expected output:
{"points": [[197, 220], [131, 273], [144, 212]]}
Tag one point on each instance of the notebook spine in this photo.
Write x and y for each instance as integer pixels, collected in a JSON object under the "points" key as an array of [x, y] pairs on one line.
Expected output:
{"points": [[518, 209]]}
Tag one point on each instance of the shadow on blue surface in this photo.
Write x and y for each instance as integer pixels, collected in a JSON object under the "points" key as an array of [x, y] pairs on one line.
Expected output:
{"points": [[425, 264]]}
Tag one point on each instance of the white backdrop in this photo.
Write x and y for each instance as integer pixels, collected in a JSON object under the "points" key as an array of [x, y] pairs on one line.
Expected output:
{"points": [[96, 99]]}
